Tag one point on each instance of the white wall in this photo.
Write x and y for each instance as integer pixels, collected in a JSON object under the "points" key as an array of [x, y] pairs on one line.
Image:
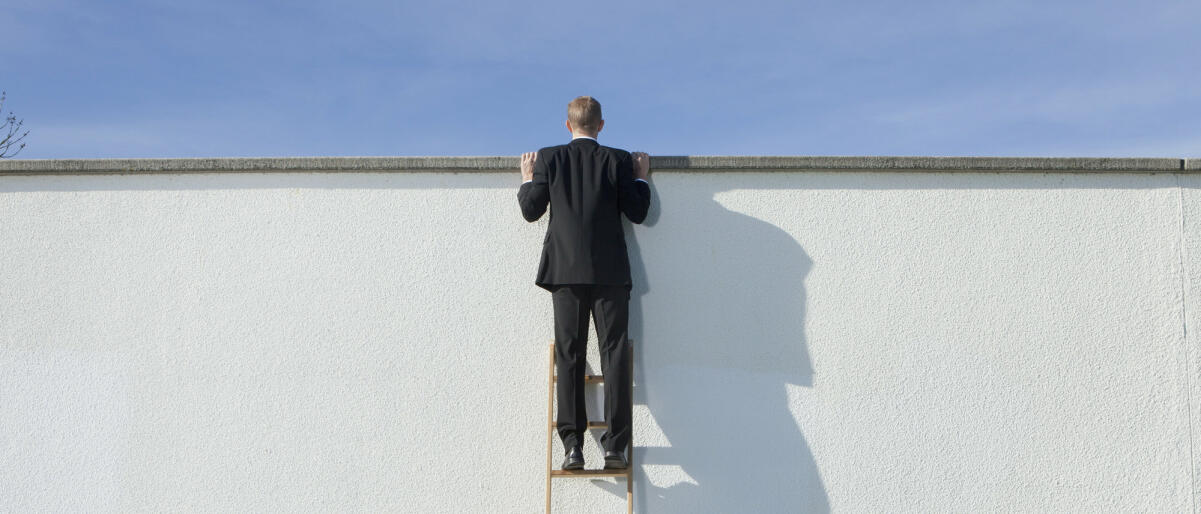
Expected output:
{"points": [[805, 342]]}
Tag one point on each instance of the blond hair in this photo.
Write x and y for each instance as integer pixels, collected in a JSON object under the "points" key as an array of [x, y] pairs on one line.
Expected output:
{"points": [[584, 113]]}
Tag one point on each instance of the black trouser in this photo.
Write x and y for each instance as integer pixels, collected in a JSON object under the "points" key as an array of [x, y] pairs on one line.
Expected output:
{"points": [[610, 308]]}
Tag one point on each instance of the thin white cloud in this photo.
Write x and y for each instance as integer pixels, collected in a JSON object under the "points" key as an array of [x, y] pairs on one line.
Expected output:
{"points": [[94, 140], [1087, 100], [1184, 146]]}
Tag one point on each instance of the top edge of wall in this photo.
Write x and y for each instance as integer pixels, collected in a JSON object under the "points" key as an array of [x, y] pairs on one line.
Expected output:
{"points": [[674, 163]]}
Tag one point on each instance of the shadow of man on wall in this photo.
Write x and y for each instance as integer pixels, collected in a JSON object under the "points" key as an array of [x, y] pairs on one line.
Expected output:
{"points": [[717, 316]]}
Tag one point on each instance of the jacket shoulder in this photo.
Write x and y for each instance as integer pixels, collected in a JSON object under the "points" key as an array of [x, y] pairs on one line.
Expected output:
{"points": [[551, 149], [617, 152]]}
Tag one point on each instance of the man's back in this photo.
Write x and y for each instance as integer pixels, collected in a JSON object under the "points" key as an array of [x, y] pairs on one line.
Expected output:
{"points": [[588, 187]]}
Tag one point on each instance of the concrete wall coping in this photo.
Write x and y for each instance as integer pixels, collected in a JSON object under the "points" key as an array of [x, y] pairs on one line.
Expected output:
{"points": [[672, 163]]}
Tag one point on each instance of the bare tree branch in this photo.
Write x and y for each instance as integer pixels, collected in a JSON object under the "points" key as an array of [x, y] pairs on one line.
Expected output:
{"points": [[13, 128]]}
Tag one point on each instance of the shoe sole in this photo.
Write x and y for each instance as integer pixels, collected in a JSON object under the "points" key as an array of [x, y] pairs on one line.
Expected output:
{"points": [[615, 464], [569, 467]]}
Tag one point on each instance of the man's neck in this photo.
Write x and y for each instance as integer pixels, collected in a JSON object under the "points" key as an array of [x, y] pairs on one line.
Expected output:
{"points": [[583, 136]]}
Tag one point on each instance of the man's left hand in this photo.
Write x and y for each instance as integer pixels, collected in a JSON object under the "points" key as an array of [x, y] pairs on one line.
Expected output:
{"points": [[527, 165]]}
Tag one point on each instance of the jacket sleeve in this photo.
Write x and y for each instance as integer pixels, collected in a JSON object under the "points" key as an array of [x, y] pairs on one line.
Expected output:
{"points": [[535, 195], [633, 196]]}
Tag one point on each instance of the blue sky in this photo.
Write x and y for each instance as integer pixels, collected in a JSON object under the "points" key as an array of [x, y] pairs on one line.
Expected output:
{"points": [[222, 78]]}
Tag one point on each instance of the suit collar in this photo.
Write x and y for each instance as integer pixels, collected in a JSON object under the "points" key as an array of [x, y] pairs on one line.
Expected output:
{"points": [[584, 141]]}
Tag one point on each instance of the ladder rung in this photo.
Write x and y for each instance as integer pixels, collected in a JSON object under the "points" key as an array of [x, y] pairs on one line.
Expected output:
{"points": [[592, 424], [589, 379], [562, 473]]}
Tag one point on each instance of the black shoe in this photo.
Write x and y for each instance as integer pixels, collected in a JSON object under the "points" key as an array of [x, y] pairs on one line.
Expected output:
{"points": [[616, 460], [574, 458]]}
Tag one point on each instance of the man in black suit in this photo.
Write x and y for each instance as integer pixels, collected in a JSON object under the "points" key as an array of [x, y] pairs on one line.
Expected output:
{"points": [[586, 268]]}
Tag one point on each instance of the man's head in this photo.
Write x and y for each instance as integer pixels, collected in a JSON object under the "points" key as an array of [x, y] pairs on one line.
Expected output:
{"points": [[584, 117]]}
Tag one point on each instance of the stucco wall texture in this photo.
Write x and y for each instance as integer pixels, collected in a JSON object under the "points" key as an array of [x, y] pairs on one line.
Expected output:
{"points": [[807, 340]]}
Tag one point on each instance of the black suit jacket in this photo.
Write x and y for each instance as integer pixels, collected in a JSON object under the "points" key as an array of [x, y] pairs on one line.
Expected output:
{"points": [[589, 186]]}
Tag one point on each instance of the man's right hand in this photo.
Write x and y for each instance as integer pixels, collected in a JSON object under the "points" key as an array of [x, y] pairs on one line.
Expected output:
{"points": [[642, 165]]}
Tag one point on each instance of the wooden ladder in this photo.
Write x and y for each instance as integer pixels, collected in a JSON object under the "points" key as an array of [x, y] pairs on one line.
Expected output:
{"points": [[551, 425]]}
